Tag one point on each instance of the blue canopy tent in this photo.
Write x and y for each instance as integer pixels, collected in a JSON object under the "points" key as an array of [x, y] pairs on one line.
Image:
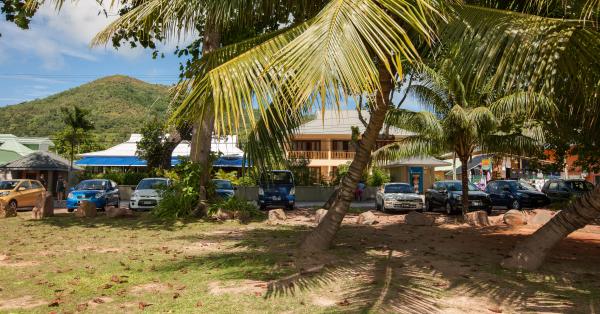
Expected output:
{"points": [[233, 161]]}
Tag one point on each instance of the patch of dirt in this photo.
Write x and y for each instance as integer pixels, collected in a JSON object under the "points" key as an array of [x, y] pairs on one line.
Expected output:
{"points": [[26, 302], [153, 287], [95, 249], [253, 287], [323, 301], [95, 302], [7, 261]]}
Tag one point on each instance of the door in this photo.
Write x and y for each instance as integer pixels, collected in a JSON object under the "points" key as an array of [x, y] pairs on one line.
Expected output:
{"points": [[36, 190], [563, 192], [415, 175], [439, 194], [25, 196], [552, 191], [494, 193], [505, 194]]}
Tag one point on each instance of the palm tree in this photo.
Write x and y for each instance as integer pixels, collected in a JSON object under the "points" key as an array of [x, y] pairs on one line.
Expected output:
{"points": [[462, 119], [77, 123]]}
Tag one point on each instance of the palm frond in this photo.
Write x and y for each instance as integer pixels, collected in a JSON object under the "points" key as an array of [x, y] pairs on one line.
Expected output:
{"points": [[523, 104], [422, 122], [411, 146]]}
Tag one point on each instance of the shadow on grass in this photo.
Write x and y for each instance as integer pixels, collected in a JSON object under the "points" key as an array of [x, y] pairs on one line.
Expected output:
{"points": [[140, 221], [384, 269]]}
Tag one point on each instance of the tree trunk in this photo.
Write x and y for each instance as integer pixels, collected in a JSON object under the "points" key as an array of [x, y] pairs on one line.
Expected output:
{"points": [[531, 252], [332, 198], [465, 185], [322, 237], [203, 130]]}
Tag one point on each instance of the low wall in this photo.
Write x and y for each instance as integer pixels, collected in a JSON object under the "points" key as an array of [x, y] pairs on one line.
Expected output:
{"points": [[125, 192], [303, 193]]}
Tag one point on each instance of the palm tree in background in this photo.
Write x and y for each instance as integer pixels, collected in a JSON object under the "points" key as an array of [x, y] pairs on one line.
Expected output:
{"points": [[461, 120], [77, 124]]}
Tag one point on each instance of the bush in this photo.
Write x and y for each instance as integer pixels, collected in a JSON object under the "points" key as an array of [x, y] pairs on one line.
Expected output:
{"points": [[121, 178], [181, 198], [247, 181], [378, 177], [231, 176], [241, 209]]}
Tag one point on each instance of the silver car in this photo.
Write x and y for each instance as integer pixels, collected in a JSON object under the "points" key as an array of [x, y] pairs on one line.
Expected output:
{"points": [[398, 196]]}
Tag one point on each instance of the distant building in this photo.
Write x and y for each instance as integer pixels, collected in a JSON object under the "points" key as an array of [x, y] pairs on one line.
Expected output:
{"points": [[123, 155], [13, 147], [326, 142]]}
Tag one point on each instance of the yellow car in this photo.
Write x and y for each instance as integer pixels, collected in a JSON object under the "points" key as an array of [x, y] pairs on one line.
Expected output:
{"points": [[20, 193]]}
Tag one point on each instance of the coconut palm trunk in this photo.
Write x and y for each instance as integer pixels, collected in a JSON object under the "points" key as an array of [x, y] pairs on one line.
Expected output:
{"points": [[464, 170], [322, 237], [203, 130], [531, 253]]}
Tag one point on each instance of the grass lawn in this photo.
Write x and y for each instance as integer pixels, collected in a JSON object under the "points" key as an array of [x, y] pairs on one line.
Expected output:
{"points": [[65, 264]]}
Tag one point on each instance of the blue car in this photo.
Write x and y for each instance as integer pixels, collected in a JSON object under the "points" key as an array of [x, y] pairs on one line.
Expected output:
{"points": [[224, 189], [276, 189], [99, 191]]}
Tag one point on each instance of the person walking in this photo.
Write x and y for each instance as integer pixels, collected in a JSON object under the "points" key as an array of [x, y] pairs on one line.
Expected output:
{"points": [[60, 188], [360, 188]]}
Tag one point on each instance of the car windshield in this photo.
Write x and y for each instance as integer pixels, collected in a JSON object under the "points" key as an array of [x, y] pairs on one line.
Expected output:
{"points": [[91, 185], [457, 186], [151, 184], [577, 186], [521, 186], [223, 185], [279, 177], [398, 188], [8, 185]]}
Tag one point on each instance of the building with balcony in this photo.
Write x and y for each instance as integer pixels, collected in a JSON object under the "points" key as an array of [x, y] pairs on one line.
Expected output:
{"points": [[326, 142]]}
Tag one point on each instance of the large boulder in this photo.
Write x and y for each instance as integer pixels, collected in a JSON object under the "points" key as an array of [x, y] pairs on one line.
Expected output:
{"points": [[6, 211], [319, 215], [539, 217], [478, 219], [117, 212], [44, 206], [419, 219], [86, 209], [367, 218], [515, 217], [276, 215]]}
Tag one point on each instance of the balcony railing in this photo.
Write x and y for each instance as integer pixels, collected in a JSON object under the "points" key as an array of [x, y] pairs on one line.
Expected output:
{"points": [[308, 154], [342, 155]]}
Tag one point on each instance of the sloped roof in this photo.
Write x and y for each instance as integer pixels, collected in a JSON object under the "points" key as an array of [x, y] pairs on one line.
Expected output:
{"points": [[417, 161], [26, 140], [13, 145], [340, 122], [225, 146], [40, 161]]}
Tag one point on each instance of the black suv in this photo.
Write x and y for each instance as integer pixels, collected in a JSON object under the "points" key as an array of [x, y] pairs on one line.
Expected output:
{"points": [[448, 194], [515, 194], [561, 190]]}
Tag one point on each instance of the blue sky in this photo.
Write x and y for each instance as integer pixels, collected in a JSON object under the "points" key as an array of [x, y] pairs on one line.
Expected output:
{"points": [[54, 55]]}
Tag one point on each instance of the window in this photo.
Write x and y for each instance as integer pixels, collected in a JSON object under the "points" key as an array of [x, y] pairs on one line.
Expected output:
{"points": [[303, 146], [8, 185], [36, 185], [457, 186], [440, 186], [154, 184], [553, 186], [398, 188], [25, 185], [219, 184], [340, 146]]}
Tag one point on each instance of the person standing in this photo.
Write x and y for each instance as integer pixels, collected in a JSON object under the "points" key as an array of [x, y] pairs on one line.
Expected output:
{"points": [[43, 181], [60, 188], [360, 188]]}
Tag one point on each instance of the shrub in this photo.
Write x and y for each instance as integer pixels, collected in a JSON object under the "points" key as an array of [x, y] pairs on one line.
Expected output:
{"points": [[231, 176], [241, 209], [181, 198], [246, 181], [378, 177]]}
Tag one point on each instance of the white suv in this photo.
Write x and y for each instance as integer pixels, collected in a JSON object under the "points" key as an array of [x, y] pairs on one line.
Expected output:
{"points": [[147, 193]]}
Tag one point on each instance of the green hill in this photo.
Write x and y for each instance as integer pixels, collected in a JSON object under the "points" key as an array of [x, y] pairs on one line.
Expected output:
{"points": [[118, 104]]}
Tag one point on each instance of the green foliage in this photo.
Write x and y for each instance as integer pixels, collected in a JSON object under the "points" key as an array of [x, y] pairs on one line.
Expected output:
{"points": [[231, 176], [151, 147], [241, 209], [121, 178], [86, 143], [118, 106], [300, 170], [341, 172], [181, 198], [246, 180], [378, 177]]}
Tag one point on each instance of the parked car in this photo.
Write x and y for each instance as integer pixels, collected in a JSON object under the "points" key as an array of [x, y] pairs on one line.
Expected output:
{"points": [[101, 192], [20, 193], [147, 193], [562, 190], [515, 194], [276, 188], [224, 188], [448, 195], [398, 196]]}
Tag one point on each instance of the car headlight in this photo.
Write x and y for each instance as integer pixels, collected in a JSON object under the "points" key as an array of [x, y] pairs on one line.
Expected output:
{"points": [[99, 195], [4, 193], [135, 195], [261, 191], [71, 195], [293, 191]]}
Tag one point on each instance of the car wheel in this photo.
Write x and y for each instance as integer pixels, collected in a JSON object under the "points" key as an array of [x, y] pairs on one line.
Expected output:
{"points": [[118, 202], [426, 206], [515, 205], [263, 208], [70, 210], [449, 209], [377, 206], [13, 205]]}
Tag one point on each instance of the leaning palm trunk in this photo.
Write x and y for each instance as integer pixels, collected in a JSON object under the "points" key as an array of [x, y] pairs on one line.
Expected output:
{"points": [[530, 253], [203, 130], [322, 237]]}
